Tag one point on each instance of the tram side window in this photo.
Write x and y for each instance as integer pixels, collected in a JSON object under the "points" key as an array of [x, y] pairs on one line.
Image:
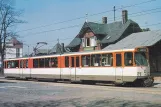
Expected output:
{"points": [[118, 60], [41, 62], [85, 60], [128, 58], [36, 63], [24, 64], [47, 62], [77, 61], [27, 64], [9, 64], [72, 61], [107, 59], [96, 60], [21, 64], [13, 64], [53, 62], [4, 64], [16, 64], [66, 61]]}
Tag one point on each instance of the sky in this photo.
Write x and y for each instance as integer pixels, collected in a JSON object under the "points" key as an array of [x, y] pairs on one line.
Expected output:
{"points": [[43, 18]]}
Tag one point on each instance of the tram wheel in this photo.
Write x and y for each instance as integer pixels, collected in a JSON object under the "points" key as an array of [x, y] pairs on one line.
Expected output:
{"points": [[148, 82]]}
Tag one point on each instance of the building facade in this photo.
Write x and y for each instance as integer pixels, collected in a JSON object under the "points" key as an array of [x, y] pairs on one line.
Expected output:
{"points": [[14, 48], [96, 36]]}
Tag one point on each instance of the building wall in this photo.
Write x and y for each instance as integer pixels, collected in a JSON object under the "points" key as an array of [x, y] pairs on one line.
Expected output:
{"points": [[11, 53], [155, 58], [14, 49]]}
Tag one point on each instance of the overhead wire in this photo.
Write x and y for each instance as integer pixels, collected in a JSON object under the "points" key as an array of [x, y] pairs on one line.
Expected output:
{"points": [[141, 13], [132, 5], [154, 24]]}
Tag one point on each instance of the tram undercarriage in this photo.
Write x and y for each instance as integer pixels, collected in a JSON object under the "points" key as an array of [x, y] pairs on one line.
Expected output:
{"points": [[141, 82]]}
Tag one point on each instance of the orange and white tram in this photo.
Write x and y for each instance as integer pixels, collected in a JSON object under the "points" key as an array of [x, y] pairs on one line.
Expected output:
{"points": [[118, 66]]}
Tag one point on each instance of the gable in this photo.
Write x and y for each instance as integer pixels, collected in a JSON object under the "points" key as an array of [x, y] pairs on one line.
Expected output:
{"points": [[109, 33]]}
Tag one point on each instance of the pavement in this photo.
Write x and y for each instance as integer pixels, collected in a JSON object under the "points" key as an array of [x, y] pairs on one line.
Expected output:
{"points": [[18, 93]]}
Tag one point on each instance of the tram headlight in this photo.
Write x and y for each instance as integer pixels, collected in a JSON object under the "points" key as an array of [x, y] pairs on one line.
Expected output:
{"points": [[138, 73]]}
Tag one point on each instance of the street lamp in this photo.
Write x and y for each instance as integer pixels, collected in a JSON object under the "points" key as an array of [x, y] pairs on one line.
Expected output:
{"points": [[28, 48], [38, 45]]}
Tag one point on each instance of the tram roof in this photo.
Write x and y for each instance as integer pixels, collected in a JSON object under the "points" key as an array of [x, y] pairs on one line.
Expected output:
{"points": [[141, 39], [74, 53]]}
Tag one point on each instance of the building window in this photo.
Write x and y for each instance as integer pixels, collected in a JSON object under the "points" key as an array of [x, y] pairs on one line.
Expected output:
{"points": [[17, 52], [87, 41]]}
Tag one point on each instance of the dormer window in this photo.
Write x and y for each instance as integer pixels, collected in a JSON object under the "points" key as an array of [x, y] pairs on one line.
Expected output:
{"points": [[87, 42], [108, 37]]}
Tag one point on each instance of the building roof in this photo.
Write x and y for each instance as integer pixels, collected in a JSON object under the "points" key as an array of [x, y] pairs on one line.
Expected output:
{"points": [[56, 49], [75, 42], [134, 40], [110, 32]]}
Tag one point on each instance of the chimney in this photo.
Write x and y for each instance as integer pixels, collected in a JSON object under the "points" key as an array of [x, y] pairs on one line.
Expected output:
{"points": [[62, 47], [104, 20], [124, 16]]}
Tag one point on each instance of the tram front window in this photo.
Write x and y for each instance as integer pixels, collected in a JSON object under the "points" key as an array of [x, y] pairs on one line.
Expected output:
{"points": [[141, 59]]}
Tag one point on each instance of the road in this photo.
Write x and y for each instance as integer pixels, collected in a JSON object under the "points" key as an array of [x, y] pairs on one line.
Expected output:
{"points": [[18, 93]]}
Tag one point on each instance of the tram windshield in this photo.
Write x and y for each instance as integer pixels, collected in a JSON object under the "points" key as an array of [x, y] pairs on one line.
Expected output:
{"points": [[141, 59]]}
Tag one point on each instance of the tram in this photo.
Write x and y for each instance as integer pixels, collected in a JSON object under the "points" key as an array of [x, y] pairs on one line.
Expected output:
{"points": [[116, 66]]}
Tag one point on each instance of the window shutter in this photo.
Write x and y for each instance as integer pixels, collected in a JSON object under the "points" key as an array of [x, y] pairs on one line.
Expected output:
{"points": [[83, 42], [93, 41]]}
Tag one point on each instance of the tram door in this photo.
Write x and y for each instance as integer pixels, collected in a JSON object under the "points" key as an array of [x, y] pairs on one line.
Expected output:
{"points": [[24, 71], [74, 67], [21, 68], [118, 69]]}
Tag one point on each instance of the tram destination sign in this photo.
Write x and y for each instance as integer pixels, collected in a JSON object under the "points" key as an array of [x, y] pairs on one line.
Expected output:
{"points": [[142, 49]]}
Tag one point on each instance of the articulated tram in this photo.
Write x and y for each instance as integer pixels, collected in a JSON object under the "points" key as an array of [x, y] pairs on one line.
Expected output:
{"points": [[117, 66]]}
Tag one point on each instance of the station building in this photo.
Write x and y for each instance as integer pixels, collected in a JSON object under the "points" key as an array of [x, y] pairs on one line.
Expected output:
{"points": [[150, 39]]}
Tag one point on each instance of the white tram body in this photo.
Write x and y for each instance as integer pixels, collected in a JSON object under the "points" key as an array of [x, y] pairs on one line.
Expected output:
{"points": [[118, 66]]}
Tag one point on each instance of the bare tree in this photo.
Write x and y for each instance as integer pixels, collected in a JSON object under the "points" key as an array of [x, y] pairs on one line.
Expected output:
{"points": [[8, 19]]}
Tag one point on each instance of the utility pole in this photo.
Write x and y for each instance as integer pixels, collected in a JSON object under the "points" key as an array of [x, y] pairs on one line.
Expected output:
{"points": [[58, 40], [27, 48], [114, 9], [86, 17]]}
